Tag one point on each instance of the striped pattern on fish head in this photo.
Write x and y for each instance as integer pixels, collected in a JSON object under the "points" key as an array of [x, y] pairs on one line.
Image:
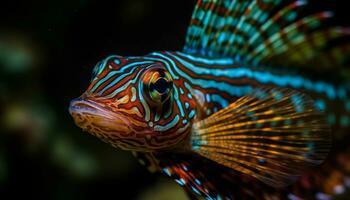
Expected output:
{"points": [[131, 103]]}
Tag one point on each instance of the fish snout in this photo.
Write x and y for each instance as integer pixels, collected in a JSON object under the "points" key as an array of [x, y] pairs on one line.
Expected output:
{"points": [[97, 119]]}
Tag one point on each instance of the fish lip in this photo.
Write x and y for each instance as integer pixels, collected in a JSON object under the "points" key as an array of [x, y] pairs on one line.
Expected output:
{"points": [[88, 107], [80, 104], [89, 113]]}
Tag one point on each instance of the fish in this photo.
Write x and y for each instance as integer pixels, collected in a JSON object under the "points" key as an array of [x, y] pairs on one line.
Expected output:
{"points": [[255, 106]]}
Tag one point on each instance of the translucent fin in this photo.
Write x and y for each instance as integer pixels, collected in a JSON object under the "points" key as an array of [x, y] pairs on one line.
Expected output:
{"points": [[272, 135], [218, 26], [313, 50], [260, 32], [292, 33]]}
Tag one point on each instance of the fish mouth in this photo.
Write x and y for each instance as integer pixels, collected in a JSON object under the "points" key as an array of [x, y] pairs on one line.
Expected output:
{"points": [[96, 119]]}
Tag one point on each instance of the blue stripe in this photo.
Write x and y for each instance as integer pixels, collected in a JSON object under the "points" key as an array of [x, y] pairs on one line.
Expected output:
{"points": [[192, 113], [113, 73], [236, 91], [113, 83], [217, 98], [208, 61], [266, 77], [168, 125], [178, 102], [175, 77], [120, 89]]}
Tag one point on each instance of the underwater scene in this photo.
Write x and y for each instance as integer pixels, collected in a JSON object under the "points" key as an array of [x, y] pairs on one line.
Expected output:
{"points": [[175, 100]]}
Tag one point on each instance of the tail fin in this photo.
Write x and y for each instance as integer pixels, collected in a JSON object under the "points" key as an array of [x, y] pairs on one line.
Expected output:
{"points": [[272, 135]]}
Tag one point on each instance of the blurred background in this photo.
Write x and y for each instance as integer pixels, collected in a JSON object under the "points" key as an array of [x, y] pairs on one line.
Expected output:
{"points": [[47, 51]]}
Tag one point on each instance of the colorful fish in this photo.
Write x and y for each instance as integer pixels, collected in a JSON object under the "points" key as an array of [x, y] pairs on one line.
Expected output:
{"points": [[241, 112]]}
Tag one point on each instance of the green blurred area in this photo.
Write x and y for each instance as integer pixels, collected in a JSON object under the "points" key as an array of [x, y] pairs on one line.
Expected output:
{"points": [[35, 137], [47, 50]]}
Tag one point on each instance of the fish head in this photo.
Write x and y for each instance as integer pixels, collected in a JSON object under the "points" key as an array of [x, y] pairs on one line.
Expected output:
{"points": [[133, 104]]}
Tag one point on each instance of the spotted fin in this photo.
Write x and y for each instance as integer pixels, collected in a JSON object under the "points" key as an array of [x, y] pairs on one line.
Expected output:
{"points": [[201, 177], [272, 135], [264, 33]]}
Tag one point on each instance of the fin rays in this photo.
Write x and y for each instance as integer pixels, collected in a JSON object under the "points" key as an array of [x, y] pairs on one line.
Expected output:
{"points": [[253, 32], [272, 135]]}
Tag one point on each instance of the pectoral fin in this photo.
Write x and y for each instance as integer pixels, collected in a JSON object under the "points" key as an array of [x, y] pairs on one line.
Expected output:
{"points": [[272, 135]]}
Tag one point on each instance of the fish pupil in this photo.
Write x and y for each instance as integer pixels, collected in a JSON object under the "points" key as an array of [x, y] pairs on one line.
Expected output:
{"points": [[157, 84], [161, 85]]}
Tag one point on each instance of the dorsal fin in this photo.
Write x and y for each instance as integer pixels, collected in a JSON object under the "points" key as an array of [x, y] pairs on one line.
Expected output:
{"points": [[218, 27], [254, 32]]}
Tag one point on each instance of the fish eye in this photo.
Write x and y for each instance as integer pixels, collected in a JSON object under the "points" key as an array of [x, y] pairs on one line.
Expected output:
{"points": [[157, 85]]}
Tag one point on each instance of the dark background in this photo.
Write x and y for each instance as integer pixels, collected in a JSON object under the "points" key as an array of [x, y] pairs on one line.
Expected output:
{"points": [[47, 51]]}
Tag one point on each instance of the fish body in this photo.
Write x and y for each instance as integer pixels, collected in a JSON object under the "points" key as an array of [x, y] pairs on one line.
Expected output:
{"points": [[219, 117]]}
